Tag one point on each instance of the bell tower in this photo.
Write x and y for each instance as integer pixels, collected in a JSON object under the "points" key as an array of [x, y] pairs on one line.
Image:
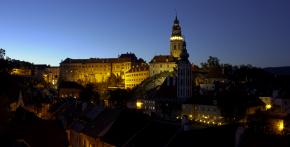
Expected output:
{"points": [[176, 40]]}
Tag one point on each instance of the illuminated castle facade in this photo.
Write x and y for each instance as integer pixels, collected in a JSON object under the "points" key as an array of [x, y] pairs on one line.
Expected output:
{"points": [[97, 70], [136, 75]]}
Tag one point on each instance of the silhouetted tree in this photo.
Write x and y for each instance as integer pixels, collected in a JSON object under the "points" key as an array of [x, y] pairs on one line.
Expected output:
{"points": [[233, 104], [89, 94], [5, 65], [2, 53], [119, 97], [212, 62]]}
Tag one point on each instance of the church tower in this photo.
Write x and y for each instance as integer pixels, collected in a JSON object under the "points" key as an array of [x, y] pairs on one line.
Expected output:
{"points": [[176, 40]]}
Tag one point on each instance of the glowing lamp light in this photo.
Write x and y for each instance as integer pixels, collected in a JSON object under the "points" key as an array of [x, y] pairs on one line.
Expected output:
{"points": [[280, 125], [268, 106], [139, 104]]}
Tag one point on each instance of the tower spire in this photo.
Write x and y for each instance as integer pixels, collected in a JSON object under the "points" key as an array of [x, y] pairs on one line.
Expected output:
{"points": [[176, 29], [176, 21]]}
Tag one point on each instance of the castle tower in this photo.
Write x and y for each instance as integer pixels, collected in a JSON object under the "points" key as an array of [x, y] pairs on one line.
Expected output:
{"points": [[176, 40], [184, 75]]}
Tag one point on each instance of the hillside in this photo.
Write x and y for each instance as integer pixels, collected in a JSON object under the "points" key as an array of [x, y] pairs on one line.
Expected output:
{"points": [[283, 70]]}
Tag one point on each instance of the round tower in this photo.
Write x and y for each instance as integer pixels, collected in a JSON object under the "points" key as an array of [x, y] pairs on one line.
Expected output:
{"points": [[176, 40]]}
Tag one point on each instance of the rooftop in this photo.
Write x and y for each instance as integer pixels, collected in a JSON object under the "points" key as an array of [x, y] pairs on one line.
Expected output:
{"points": [[163, 58], [128, 57]]}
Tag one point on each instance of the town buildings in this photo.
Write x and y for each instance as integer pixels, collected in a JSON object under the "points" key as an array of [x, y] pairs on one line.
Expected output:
{"points": [[69, 90], [203, 110], [51, 75]]}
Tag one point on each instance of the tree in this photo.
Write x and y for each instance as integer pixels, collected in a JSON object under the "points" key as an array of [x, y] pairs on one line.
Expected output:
{"points": [[114, 81], [89, 94], [2, 53], [212, 62], [119, 97]]}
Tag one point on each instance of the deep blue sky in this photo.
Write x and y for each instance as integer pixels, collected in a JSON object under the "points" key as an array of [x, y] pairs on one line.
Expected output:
{"points": [[253, 32]]}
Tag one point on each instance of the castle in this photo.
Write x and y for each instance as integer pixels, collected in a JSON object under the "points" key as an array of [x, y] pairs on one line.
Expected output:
{"points": [[97, 70], [131, 70]]}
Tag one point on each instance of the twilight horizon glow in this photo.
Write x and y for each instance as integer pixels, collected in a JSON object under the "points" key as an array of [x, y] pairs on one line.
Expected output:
{"points": [[253, 32]]}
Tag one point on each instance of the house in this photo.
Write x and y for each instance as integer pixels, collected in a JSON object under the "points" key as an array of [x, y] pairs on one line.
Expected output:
{"points": [[203, 110], [88, 133], [69, 89]]}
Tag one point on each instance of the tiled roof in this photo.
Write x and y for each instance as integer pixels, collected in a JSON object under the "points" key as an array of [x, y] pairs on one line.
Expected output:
{"points": [[122, 58], [220, 136], [36, 132], [155, 134], [128, 124], [104, 120], [163, 58]]}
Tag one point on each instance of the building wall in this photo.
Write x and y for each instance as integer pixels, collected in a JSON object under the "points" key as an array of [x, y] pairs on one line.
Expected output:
{"points": [[184, 80], [176, 47], [21, 72], [208, 114], [158, 67], [149, 106], [119, 69], [282, 105], [51, 76], [84, 73], [78, 139], [98, 72], [207, 87], [134, 78]]}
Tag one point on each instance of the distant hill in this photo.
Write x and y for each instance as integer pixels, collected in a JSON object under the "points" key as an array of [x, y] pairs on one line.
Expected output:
{"points": [[283, 70]]}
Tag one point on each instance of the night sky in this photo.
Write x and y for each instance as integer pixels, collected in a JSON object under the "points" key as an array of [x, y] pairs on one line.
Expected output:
{"points": [[238, 32]]}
